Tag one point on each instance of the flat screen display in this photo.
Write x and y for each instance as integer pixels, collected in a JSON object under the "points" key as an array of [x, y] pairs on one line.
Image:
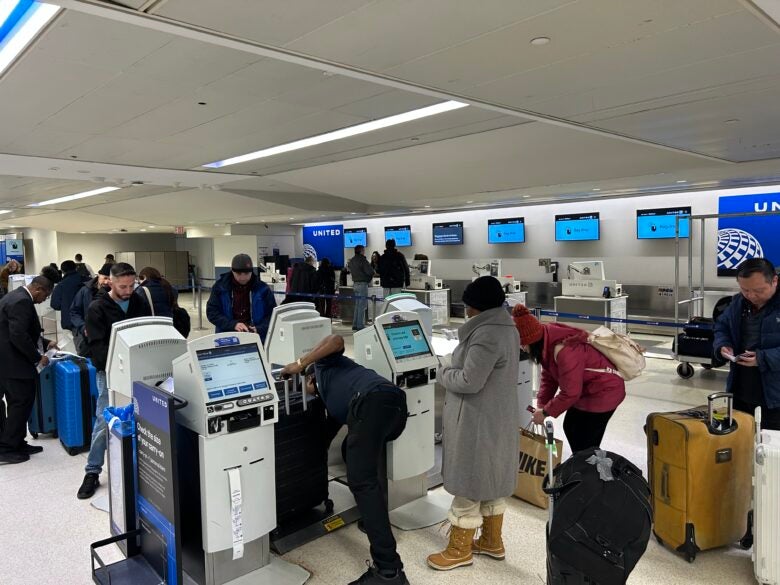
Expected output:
{"points": [[355, 237], [402, 234], [448, 234], [509, 230], [577, 227], [654, 224], [406, 340], [232, 370]]}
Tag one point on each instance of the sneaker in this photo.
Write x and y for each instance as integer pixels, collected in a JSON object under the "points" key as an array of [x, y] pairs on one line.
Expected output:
{"points": [[373, 577], [31, 449], [11, 457], [88, 486]]}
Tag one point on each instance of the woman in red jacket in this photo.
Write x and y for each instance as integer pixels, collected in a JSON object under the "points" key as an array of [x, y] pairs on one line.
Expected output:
{"points": [[589, 390]]}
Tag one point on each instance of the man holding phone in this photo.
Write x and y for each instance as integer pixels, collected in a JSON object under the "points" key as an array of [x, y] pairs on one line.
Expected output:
{"points": [[240, 301], [748, 335]]}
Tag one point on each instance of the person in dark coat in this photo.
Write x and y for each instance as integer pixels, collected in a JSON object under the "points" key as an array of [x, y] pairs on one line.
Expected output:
{"points": [[240, 301], [326, 285], [52, 273], [393, 269], [22, 349], [304, 280], [65, 292], [80, 306], [163, 295], [109, 307]]}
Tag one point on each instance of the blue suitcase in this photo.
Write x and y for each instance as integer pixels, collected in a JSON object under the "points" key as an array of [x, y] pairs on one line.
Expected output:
{"points": [[76, 391], [43, 418]]}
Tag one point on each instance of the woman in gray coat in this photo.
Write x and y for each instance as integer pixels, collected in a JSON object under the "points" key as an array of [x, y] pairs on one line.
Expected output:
{"points": [[480, 426]]}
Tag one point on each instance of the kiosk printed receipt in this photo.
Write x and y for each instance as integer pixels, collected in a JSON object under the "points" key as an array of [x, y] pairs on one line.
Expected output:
{"points": [[231, 370], [406, 340]]}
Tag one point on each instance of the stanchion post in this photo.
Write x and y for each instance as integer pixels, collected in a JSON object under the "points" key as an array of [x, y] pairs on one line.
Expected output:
{"points": [[373, 306], [192, 288], [200, 307]]}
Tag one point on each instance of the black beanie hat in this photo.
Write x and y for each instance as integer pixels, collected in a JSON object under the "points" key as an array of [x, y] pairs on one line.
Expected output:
{"points": [[484, 293], [105, 270]]}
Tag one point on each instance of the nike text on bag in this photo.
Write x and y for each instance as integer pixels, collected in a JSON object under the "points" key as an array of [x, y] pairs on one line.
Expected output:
{"points": [[624, 353]]}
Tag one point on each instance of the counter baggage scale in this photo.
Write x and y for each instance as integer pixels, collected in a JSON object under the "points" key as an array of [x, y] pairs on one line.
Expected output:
{"points": [[398, 348], [310, 504]]}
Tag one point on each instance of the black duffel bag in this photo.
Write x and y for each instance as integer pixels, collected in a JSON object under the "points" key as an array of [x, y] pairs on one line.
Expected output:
{"points": [[601, 521]]}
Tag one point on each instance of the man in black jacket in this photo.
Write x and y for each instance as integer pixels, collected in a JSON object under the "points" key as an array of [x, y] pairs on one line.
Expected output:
{"points": [[65, 292], [304, 280], [393, 269], [80, 306], [21, 350], [109, 307]]}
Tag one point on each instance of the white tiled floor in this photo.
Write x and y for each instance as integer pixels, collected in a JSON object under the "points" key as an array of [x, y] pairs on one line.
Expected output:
{"points": [[45, 531]]}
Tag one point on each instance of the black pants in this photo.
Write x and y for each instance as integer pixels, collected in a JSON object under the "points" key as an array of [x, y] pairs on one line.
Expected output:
{"points": [[20, 397], [770, 417], [373, 420], [585, 429]]}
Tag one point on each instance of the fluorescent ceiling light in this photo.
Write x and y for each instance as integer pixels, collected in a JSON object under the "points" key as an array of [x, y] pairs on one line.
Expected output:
{"points": [[342, 133], [76, 196], [2, 211], [35, 16]]}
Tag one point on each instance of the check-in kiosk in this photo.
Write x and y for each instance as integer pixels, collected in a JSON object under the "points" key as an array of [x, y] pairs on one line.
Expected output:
{"points": [[294, 330], [408, 302], [226, 462], [141, 350], [397, 347]]}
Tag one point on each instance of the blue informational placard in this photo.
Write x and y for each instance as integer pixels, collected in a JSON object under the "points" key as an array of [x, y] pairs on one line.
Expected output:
{"points": [[655, 224], [508, 230], [741, 238], [2, 253], [14, 250], [355, 237], [325, 241], [577, 227], [402, 234], [406, 339], [448, 234]]}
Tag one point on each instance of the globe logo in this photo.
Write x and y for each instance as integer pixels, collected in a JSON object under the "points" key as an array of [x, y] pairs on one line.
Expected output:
{"points": [[308, 250], [736, 246]]}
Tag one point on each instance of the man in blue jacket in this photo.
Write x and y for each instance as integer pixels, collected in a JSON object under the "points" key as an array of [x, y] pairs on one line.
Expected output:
{"points": [[240, 301], [748, 335]]}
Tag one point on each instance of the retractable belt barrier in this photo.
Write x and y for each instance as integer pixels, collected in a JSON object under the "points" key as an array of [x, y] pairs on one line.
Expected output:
{"points": [[603, 319]]}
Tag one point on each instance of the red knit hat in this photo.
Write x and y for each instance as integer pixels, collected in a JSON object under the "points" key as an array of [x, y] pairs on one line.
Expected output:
{"points": [[528, 326]]}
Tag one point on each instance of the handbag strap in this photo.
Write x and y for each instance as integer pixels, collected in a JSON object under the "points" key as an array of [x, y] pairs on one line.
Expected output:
{"points": [[149, 298]]}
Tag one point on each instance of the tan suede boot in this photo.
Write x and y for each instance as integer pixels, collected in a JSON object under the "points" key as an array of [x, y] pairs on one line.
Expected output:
{"points": [[489, 542], [458, 551]]}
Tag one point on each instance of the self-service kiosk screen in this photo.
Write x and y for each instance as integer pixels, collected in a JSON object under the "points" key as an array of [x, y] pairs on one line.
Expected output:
{"points": [[232, 370], [406, 339]]}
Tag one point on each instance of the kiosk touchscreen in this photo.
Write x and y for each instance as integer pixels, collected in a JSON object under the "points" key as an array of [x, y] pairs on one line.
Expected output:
{"points": [[408, 302], [294, 330], [141, 350], [398, 348], [226, 461]]}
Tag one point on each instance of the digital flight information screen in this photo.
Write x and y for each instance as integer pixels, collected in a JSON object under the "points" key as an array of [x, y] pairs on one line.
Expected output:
{"points": [[508, 230]]}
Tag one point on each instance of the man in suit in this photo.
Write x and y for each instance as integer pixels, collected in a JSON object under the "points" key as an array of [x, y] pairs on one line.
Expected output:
{"points": [[21, 350]]}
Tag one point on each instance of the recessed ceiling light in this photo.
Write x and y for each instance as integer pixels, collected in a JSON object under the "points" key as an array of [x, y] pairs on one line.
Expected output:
{"points": [[2, 211], [427, 207], [526, 196], [469, 202], [238, 222], [201, 103], [142, 230], [539, 41], [682, 181], [353, 213], [82, 232], [217, 224], [81, 195], [342, 133], [596, 189], [152, 226], [25, 24]]}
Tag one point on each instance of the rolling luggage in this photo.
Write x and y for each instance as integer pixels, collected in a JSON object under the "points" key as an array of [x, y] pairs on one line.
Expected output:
{"points": [[76, 390], [600, 517], [766, 503], [694, 345], [700, 468], [301, 455], [702, 327], [43, 418]]}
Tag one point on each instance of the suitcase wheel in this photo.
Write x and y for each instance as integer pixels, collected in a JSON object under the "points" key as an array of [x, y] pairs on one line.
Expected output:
{"points": [[658, 538], [690, 557], [328, 506], [685, 370], [72, 451], [34, 435], [55, 435]]}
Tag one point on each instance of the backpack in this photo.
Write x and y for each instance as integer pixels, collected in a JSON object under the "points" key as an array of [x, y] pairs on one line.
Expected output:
{"points": [[81, 270], [625, 354]]}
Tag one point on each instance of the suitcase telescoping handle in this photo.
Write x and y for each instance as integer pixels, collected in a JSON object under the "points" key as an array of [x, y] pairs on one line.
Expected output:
{"points": [[549, 433], [712, 420]]}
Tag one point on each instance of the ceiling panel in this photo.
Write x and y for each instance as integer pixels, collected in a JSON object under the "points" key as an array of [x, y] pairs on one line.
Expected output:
{"points": [[268, 78], [75, 221], [509, 158], [43, 141], [271, 21]]}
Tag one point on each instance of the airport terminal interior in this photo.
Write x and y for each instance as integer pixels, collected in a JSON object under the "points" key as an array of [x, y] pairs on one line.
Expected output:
{"points": [[607, 164]]}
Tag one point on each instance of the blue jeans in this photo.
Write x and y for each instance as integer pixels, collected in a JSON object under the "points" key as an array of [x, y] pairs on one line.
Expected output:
{"points": [[97, 448], [392, 291], [360, 289]]}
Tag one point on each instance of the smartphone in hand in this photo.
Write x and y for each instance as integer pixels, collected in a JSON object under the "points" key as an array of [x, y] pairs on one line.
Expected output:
{"points": [[530, 409]]}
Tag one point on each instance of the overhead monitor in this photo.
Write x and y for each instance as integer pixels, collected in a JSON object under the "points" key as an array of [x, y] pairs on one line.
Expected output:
{"points": [[448, 234], [355, 237], [508, 230], [407, 340], [577, 227], [231, 370], [656, 224], [402, 234]]}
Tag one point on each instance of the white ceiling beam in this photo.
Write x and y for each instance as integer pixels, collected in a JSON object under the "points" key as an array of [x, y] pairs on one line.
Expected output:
{"points": [[202, 34]]}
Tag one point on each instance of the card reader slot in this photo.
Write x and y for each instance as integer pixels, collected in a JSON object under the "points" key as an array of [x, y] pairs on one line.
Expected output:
{"points": [[245, 419]]}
